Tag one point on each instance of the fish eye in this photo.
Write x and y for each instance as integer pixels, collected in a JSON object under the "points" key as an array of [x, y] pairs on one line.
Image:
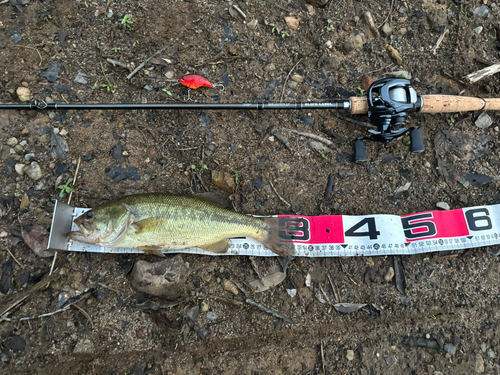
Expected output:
{"points": [[183, 79], [90, 215]]}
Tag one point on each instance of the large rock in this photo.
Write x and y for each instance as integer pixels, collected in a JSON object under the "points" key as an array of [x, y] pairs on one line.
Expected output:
{"points": [[166, 278]]}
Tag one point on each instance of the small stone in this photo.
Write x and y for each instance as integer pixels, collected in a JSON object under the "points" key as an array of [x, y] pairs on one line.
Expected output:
{"points": [[23, 93], [12, 142], [63, 132], [491, 353], [16, 38], [252, 24], [25, 202], [33, 171], [25, 131], [354, 42], [483, 121], [387, 29], [427, 164], [463, 198], [19, 168], [481, 11], [478, 30], [269, 68], [350, 355], [18, 148], [479, 366], [293, 85], [443, 205], [84, 346], [223, 181], [394, 55], [23, 143], [297, 78], [204, 307], [484, 347], [389, 275], [292, 22], [166, 278], [310, 9], [56, 130], [212, 316], [81, 78], [292, 292], [450, 348]]}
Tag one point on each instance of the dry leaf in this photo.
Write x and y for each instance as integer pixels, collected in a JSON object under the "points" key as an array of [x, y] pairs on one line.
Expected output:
{"points": [[37, 239]]}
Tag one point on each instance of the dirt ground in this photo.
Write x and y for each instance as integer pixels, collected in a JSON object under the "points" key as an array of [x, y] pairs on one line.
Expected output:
{"points": [[447, 321]]}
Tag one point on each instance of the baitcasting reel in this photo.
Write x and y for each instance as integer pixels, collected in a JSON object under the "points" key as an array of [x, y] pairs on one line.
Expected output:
{"points": [[390, 100]]}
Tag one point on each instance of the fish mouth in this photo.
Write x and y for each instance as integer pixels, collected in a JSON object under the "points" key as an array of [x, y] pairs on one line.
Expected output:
{"points": [[81, 235]]}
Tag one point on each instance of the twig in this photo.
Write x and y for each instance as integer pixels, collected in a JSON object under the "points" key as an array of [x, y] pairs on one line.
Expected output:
{"points": [[268, 311], [376, 70], [108, 287], [26, 294], [13, 257], [480, 74], [134, 72], [227, 300], [360, 123], [53, 263], [333, 288], [119, 63], [86, 315], [279, 196], [345, 271], [280, 137], [74, 178], [286, 79], [239, 11], [34, 49], [322, 356], [440, 40], [390, 12], [313, 136], [462, 120]]}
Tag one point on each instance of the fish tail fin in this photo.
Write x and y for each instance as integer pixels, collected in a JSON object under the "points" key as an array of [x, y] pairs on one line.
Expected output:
{"points": [[274, 242]]}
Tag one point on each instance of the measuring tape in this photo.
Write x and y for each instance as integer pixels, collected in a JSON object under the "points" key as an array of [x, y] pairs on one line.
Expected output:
{"points": [[341, 235]]}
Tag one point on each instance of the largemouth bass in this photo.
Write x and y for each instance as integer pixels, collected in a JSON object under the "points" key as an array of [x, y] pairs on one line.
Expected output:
{"points": [[157, 222]]}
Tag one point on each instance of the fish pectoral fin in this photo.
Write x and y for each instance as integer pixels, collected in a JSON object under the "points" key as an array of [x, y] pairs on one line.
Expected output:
{"points": [[145, 225], [153, 250], [217, 247]]}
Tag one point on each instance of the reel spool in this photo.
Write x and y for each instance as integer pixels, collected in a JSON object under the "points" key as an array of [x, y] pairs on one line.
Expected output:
{"points": [[390, 101]]}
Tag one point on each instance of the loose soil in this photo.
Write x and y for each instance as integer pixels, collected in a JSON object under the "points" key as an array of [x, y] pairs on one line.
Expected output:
{"points": [[451, 298]]}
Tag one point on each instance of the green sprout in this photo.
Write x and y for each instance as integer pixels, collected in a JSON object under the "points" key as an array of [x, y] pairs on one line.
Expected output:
{"points": [[128, 20], [193, 167], [66, 188], [109, 87], [284, 34], [153, 176], [166, 92], [275, 27], [323, 155], [361, 91], [330, 26], [451, 121], [236, 177], [116, 49]]}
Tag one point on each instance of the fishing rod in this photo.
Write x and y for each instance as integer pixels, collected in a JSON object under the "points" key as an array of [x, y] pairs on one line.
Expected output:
{"points": [[388, 103]]}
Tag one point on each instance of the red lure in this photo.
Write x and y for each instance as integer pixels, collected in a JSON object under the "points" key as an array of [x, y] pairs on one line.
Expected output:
{"points": [[194, 81]]}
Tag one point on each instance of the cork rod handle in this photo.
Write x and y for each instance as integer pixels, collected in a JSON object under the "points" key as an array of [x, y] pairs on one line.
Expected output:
{"points": [[437, 104]]}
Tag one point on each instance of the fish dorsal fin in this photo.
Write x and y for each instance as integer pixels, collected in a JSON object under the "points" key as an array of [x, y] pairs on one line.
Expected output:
{"points": [[218, 247], [213, 198]]}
